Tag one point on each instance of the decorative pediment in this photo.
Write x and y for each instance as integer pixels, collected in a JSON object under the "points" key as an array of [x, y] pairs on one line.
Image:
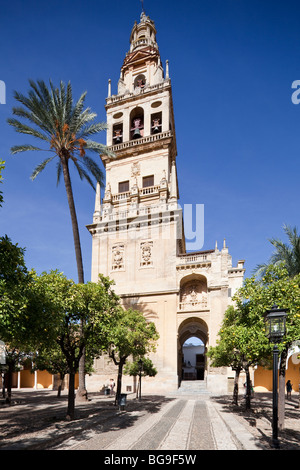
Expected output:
{"points": [[142, 55]]}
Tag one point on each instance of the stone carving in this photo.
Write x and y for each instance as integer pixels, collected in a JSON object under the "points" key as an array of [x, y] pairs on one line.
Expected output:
{"points": [[118, 257], [135, 169], [146, 253], [193, 295]]}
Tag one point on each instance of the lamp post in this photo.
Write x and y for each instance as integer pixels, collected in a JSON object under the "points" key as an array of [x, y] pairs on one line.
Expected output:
{"points": [[276, 328], [140, 363]]}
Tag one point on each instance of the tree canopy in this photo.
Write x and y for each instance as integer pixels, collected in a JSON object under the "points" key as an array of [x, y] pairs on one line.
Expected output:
{"points": [[284, 253], [242, 338]]}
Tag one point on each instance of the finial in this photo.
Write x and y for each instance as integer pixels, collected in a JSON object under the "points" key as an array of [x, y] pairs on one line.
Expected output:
{"points": [[143, 16], [109, 87], [97, 211], [167, 69]]}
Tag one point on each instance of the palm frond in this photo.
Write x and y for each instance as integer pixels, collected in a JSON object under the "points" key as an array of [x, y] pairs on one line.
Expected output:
{"points": [[40, 167], [23, 129], [92, 129], [99, 148], [52, 116], [287, 254], [23, 148], [94, 169], [83, 174]]}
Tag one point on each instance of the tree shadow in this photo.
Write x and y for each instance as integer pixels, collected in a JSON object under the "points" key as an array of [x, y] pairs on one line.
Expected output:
{"points": [[38, 420], [260, 416]]}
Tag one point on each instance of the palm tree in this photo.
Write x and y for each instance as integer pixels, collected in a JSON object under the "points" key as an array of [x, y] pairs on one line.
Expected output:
{"points": [[65, 128], [287, 254]]}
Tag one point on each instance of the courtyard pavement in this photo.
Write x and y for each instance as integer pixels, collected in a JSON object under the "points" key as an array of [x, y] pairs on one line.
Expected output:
{"points": [[185, 423]]}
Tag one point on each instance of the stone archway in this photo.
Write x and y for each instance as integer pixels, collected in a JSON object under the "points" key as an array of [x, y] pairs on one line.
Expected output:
{"points": [[188, 328]]}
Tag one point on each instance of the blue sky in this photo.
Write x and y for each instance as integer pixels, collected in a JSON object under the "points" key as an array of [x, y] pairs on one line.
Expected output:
{"points": [[232, 64]]}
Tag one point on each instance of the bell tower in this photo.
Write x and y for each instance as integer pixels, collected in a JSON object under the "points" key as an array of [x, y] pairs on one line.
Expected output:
{"points": [[137, 228]]}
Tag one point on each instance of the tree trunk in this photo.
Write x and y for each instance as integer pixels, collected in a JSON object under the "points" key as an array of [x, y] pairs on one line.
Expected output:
{"points": [[81, 392], [281, 390], [236, 386], [119, 380], [71, 396], [68, 186], [59, 388], [9, 381], [248, 389]]}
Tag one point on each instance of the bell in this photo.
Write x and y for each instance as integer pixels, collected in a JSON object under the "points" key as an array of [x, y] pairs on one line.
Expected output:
{"points": [[136, 134], [118, 136], [156, 126]]}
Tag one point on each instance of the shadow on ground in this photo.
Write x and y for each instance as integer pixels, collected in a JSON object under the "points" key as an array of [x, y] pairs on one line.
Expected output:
{"points": [[37, 419], [259, 419]]}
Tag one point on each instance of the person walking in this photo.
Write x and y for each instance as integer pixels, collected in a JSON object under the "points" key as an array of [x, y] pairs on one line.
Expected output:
{"points": [[289, 387], [112, 386]]}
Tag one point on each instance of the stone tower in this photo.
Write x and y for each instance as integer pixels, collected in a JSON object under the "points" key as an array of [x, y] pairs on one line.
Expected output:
{"points": [[137, 230]]}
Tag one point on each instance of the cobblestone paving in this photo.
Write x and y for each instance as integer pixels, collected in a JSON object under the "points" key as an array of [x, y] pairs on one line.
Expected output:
{"points": [[183, 424], [201, 437], [37, 420]]}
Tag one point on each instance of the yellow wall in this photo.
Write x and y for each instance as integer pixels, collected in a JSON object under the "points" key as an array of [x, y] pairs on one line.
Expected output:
{"points": [[44, 379], [263, 378], [293, 374], [27, 379]]}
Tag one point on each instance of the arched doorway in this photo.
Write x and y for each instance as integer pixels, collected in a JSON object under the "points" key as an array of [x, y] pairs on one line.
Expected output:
{"points": [[192, 341], [193, 359]]}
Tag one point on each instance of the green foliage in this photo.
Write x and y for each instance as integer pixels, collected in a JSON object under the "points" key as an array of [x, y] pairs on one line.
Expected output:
{"points": [[15, 282], [132, 335], [52, 117], [67, 319], [148, 369], [287, 254], [74, 316], [242, 338]]}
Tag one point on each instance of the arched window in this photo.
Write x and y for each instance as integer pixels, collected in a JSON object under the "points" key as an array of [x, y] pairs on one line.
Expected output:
{"points": [[140, 81], [137, 123], [117, 134]]}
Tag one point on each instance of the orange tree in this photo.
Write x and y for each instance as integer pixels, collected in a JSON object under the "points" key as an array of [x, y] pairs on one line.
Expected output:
{"points": [[15, 282], [242, 337], [72, 317], [131, 335], [242, 343], [276, 287]]}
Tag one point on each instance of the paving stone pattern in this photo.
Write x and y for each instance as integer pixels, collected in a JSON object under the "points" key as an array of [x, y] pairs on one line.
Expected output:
{"points": [[182, 424]]}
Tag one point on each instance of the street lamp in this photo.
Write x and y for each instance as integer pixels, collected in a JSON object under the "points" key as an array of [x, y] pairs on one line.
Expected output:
{"points": [[140, 364], [275, 330]]}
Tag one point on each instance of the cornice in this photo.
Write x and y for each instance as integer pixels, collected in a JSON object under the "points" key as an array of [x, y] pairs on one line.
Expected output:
{"points": [[116, 100]]}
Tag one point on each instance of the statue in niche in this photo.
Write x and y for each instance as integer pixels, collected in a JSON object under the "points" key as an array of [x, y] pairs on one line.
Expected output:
{"points": [[193, 293]]}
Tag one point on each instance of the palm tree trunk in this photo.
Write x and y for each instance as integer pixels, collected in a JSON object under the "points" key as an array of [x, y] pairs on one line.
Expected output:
{"points": [[81, 392], [68, 186]]}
